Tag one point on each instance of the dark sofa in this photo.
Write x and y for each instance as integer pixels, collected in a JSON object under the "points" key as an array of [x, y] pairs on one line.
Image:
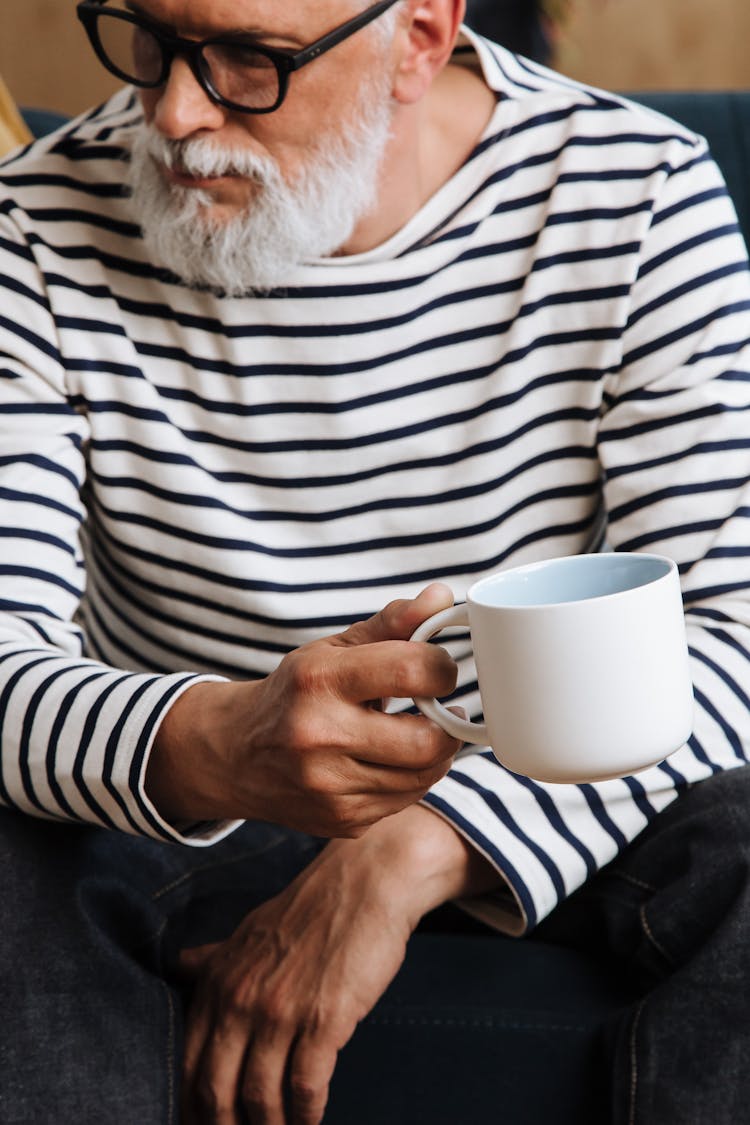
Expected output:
{"points": [[478, 1027]]}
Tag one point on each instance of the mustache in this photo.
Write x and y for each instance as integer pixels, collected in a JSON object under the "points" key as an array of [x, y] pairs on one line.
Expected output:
{"points": [[200, 157]]}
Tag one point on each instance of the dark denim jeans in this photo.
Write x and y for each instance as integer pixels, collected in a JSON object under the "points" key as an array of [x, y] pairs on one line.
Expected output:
{"points": [[92, 1016]]}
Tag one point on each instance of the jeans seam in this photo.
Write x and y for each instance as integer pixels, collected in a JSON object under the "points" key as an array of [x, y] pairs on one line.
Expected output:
{"points": [[660, 949], [170, 1054], [634, 1061], [632, 879]]}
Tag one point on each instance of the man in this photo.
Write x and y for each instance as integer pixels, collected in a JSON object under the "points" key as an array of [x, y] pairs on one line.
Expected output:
{"points": [[308, 326]]}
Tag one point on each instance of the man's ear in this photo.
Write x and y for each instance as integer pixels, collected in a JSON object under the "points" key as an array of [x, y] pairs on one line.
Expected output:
{"points": [[426, 35]]}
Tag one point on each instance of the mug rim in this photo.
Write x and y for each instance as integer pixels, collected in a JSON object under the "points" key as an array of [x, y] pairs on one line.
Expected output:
{"points": [[594, 559]]}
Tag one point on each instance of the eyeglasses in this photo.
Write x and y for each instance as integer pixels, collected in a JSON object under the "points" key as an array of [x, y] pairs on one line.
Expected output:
{"points": [[233, 70]]}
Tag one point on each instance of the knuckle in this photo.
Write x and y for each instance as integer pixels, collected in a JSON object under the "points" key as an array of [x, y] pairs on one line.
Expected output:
{"points": [[445, 671], [255, 1095], [428, 743], [304, 1091], [307, 671], [407, 671], [273, 1009], [209, 1099]]}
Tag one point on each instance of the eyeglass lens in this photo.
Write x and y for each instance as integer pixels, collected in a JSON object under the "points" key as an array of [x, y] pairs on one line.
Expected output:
{"points": [[234, 70]]}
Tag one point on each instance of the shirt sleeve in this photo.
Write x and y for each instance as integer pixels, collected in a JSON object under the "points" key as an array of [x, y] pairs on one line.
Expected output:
{"points": [[75, 734], [675, 464]]}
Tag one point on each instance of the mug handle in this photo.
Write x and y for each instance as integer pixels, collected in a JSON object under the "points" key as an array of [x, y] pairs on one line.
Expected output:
{"points": [[432, 708]]}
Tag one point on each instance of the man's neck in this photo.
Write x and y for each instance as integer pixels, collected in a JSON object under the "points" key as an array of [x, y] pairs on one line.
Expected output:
{"points": [[430, 141]]}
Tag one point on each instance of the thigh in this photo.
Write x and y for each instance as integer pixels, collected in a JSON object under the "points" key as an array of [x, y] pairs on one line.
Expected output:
{"points": [[675, 910], [91, 924]]}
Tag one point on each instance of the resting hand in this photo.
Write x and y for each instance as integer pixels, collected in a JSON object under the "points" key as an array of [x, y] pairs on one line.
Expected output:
{"points": [[275, 1003], [309, 746]]}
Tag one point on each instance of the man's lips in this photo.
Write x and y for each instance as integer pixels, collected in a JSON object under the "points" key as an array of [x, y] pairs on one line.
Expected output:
{"points": [[186, 179]]}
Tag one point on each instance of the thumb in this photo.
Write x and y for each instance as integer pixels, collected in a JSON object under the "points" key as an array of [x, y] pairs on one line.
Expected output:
{"points": [[398, 620], [191, 961]]}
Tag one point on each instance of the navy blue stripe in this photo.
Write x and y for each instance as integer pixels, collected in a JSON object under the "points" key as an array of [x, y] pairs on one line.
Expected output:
{"points": [[688, 286], [506, 818], [56, 180], [552, 814], [139, 754], [44, 576], [33, 536], [678, 780], [697, 749], [724, 637], [468, 566], [622, 433], [298, 515], [154, 640], [711, 613], [110, 753], [664, 534], [689, 202], [327, 444], [491, 851], [16, 607], [18, 251], [595, 803], [39, 462], [109, 566], [685, 246], [6, 696], [718, 590], [683, 332], [71, 215], [25, 748], [697, 450], [13, 285], [36, 341], [564, 453], [639, 798], [353, 547], [79, 765], [729, 681], [705, 703], [695, 488]]}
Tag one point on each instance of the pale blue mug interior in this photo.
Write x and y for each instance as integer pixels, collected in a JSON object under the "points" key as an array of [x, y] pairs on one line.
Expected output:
{"points": [[573, 579]]}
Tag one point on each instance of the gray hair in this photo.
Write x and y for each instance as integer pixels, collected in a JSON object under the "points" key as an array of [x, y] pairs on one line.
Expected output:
{"points": [[385, 26]]}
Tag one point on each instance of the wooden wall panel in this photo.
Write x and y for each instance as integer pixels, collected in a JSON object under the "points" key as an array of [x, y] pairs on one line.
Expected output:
{"points": [[45, 58], [658, 44], [620, 44]]}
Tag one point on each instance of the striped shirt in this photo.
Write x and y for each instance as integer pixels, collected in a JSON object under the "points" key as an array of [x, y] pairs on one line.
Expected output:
{"points": [[192, 486]]}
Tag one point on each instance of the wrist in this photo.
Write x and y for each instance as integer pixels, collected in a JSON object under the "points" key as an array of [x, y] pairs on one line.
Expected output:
{"points": [[187, 772], [416, 861]]}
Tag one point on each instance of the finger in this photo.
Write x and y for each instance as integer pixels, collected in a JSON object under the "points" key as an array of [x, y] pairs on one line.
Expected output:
{"points": [[403, 742], [262, 1083], [217, 1072], [191, 961], [399, 619], [196, 1033], [393, 669], [379, 794], [310, 1076]]}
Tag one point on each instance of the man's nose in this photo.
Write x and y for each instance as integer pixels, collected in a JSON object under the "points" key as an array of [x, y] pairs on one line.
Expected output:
{"points": [[182, 107]]}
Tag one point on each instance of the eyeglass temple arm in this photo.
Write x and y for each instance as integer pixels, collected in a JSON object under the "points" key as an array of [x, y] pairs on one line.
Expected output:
{"points": [[343, 32]]}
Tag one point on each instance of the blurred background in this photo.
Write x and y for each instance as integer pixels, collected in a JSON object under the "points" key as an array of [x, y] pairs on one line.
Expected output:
{"points": [[618, 44]]}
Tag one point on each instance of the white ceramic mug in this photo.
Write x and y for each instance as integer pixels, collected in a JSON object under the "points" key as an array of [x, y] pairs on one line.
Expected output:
{"points": [[582, 665]]}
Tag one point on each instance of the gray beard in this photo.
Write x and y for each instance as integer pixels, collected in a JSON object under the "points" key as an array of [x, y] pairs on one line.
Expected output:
{"points": [[284, 225]]}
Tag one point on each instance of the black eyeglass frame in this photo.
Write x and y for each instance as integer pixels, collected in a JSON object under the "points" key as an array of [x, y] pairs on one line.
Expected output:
{"points": [[285, 61]]}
